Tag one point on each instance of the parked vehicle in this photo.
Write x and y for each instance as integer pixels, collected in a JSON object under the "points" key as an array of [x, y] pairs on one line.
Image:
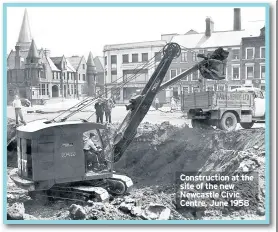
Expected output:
{"points": [[224, 109]]}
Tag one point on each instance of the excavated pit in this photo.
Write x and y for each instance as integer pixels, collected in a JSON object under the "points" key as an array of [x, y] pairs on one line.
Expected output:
{"points": [[159, 151]]}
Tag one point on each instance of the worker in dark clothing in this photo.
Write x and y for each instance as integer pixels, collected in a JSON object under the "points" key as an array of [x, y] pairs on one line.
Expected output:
{"points": [[99, 107], [109, 104]]}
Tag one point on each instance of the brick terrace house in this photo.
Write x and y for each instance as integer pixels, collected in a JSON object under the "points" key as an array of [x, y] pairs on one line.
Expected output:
{"points": [[253, 60]]}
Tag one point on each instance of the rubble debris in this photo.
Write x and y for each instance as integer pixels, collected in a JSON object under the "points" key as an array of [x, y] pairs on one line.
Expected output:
{"points": [[15, 211], [156, 212], [152, 160], [29, 217], [261, 211], [77, 212], [136, 211], [125, 207]]}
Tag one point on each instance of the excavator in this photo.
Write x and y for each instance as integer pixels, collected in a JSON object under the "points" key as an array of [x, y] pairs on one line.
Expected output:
{"points": [[50, 156]]}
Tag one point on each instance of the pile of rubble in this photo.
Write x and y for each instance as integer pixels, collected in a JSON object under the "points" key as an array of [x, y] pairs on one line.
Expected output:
{"points": [[152, 160]]}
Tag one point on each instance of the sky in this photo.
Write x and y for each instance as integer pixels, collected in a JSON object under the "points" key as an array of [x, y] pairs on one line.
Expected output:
{"points": [[77, 31]]}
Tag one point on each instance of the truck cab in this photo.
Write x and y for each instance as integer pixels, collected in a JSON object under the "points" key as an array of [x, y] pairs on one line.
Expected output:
{"points": [[259, 100]]}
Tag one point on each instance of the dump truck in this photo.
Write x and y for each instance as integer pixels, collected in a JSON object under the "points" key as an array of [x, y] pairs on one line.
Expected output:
{"points": [[225, 109]]}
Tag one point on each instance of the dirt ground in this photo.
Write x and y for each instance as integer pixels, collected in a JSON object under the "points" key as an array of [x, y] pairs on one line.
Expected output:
{"points": [[154, 157]]}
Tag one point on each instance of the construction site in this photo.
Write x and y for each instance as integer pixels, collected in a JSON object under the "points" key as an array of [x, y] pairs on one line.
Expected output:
{"points": [[165, 143], [65, 165]]}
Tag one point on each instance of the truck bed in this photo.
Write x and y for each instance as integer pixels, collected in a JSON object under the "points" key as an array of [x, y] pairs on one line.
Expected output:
{"points": [[213, 100]]}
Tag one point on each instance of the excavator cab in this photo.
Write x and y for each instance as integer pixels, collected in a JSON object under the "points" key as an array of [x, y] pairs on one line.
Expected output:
{"points": [[51, 153]]}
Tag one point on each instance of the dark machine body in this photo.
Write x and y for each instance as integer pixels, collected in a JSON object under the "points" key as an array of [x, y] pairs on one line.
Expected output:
{"points": [[50, 153]]}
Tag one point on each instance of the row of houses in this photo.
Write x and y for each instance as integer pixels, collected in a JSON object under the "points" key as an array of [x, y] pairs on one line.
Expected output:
{"points": [[34, 74], [245, 64]]}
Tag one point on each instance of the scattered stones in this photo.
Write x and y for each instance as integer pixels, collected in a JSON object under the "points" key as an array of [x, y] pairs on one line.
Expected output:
{"points": [[136, 211], [156, 212], [126, 208], [261, 211], [129, 200], [77, 212], [16, 211], [117, 201], [256, 147], [29, 217]]}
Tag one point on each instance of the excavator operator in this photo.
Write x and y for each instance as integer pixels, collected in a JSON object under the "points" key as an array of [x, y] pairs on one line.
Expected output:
{"points": [[92, 154]]}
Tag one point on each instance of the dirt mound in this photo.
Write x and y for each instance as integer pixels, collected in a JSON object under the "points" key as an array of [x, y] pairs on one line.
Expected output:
{"points": [[156, 156]]}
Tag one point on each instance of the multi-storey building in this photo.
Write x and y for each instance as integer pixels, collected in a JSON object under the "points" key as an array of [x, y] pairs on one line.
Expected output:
{"points": [[253, 60], [33, 74], [193, 43], [124, 61]]}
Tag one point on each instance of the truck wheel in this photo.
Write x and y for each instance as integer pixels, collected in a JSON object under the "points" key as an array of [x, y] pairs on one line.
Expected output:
{"points": [[228, 122], [247, 125]]}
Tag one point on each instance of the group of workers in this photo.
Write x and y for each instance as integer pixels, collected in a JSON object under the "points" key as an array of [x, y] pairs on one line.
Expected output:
{"points": [[104, 106]]}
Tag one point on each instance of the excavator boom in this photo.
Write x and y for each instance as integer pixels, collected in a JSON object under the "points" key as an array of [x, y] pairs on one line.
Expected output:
{"points": [[212, 67]]}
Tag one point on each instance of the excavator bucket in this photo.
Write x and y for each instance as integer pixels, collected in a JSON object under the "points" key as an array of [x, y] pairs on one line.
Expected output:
{"points": [[214, 65]]}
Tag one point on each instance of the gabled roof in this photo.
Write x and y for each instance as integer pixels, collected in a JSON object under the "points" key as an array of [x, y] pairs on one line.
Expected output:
{"points": [[99, 63], [75, 61], [11, 58], [57, 61], [25, 32]]}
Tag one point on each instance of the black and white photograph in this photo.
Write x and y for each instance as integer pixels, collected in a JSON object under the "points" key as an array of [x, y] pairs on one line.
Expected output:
{"points": [[142, 113]]}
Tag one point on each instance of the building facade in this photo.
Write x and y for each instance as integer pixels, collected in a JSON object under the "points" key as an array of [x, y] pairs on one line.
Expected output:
{"points": [[122, 59], [129, 64], [52, 77], [253, 60]]}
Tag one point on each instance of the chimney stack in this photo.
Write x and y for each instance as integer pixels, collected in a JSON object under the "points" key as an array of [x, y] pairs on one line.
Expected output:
{"points": [[237, 19], [209, 26]]}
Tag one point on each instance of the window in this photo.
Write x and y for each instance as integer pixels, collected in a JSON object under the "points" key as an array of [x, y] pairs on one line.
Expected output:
{"points": [[157, 56], [71, 87], [185, 89], [210, 88], [79, 76], [173, 73], [84, 77], [262, 52], [194, 56], [185, 78], [114, 75], [262, 71], [184, 57], [235, 54], [43, 89], [144, 57], [125, 58], [195, 89], [250, 53], [83, 66], [220, 87], [194, 76], [114, 59], [58, 75], [235, 73], [249, 72], [105, 60], [134, 58]]}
